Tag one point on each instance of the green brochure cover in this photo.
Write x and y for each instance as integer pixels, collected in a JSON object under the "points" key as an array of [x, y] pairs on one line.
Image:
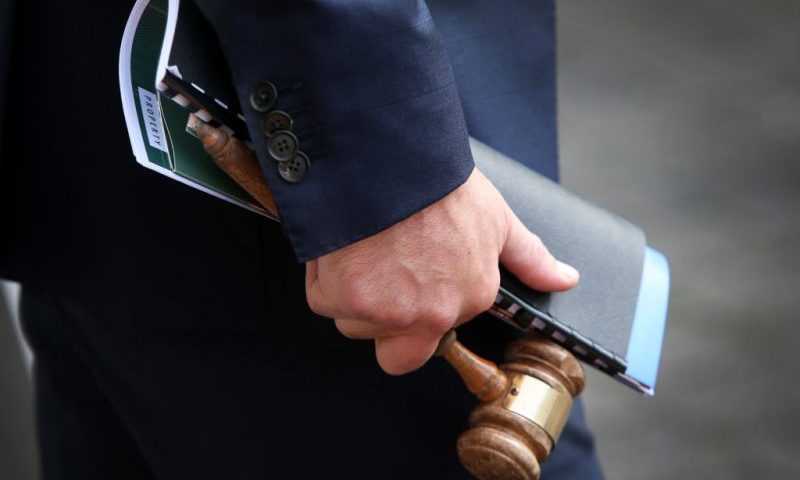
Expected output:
{"points": [[157, 123]]}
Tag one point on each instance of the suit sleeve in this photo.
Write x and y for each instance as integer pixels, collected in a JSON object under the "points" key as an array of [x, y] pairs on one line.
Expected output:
{"points": [[362, 90]]}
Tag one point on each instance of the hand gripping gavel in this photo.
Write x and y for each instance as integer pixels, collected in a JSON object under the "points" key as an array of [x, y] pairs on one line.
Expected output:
{"points": [[524, 404]]}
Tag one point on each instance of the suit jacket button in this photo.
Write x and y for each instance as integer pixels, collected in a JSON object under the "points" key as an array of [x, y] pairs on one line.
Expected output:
{"points": [[294, 170], [274, 121], [282, 145], [263, 96]]}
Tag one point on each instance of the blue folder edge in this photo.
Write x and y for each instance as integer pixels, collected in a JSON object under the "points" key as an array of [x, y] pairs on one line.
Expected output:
{"points": [[649, 322]]}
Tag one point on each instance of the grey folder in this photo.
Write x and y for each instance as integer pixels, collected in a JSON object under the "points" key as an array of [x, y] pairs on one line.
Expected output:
{"points": [[614, 319]]}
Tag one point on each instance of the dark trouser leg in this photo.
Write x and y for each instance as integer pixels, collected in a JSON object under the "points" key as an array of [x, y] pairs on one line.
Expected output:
{"points": [[80, 435], [264, 394]]}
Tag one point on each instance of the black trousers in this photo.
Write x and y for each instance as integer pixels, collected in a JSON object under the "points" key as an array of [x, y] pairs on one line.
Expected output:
{"points": [[160, 399]]}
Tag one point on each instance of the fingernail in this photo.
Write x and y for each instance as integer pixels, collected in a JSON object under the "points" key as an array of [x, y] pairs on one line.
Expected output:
{"points": [[568, 272]]}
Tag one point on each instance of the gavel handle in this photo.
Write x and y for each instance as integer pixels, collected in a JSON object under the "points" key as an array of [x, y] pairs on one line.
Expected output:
{"points": [[482, 377], [237, 160], [524, 405]]}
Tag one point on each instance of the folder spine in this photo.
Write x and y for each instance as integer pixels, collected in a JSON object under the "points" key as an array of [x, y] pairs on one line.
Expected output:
{"points": [[515, 312]]}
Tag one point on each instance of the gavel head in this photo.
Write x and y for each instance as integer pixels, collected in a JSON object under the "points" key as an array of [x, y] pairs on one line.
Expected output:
{"points": [[511, 434]]}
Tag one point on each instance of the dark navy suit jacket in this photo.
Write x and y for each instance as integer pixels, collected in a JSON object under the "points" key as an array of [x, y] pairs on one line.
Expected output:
{"points": [[388, 93], [391, 89]]}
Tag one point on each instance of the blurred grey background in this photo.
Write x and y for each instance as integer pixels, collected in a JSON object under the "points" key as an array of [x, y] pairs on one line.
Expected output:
{"points": [[683, 116]]}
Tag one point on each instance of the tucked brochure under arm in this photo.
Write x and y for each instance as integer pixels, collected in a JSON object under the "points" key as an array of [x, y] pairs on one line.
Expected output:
{"points": [[159, 32]]}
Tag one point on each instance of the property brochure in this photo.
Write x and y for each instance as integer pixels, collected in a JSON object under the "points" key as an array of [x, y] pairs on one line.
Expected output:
{"points": [[156, 114]]}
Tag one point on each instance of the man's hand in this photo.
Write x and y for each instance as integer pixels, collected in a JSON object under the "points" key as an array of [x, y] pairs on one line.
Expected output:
{"points": [[409, 284]]}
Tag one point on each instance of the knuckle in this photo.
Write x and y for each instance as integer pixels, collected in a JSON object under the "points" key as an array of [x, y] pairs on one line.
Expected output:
{"points": [[493, 281], [485, 301], [392, 317], [357, 299], [488, 293], [440, 318], [315, 303], [346, 329], [398, 319], [354, 286], [483, 292]]}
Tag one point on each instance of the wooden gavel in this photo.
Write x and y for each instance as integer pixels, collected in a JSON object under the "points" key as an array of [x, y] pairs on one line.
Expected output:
{"points": [[524, 403]]}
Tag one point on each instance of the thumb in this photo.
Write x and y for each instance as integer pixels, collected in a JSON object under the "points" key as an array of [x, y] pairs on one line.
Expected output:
{"points": [[528, 259]]}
